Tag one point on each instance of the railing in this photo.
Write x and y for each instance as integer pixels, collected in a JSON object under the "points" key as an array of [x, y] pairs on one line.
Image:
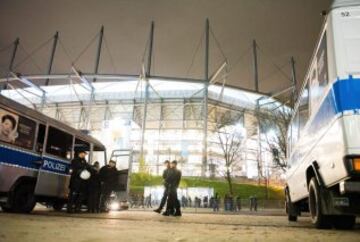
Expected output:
{"points": [[244, 205]]}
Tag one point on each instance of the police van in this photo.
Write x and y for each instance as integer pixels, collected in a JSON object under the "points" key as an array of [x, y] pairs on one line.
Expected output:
{"points": [[323, 153], [35, 156]]}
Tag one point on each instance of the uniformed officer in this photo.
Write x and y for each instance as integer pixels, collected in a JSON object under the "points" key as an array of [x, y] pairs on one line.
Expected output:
{"points": [[166, 187], [173, 179], [77, 184], [94, 189], [109, 179]]}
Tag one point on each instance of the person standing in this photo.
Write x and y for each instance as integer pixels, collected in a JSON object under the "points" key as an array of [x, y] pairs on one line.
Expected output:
{"points": [[94, 189], [216, 203], [173, 179], [166, 187], [231, 202], [148, 201], [189, 202], [211, 202], [205, 201], [142, 201], [253, 203], [183, 201], [238, 203], [197, 202], [226, 202], [77, 184], [108, 175]]}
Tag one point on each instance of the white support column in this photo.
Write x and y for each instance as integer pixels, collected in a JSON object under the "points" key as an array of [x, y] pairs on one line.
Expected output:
{"points": [[205, 101]]}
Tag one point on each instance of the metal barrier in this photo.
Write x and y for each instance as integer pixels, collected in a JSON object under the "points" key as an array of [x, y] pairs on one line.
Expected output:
{"points": [[244, 205]]}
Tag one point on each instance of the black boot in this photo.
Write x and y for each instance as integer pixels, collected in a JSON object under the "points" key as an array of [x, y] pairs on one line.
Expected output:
{"points": [[166, 213], [177, 213], [71, 202], [158, 210], [78, 202]]}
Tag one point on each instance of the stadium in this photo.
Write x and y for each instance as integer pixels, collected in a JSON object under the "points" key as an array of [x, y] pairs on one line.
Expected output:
{"points": [[193, 120]]}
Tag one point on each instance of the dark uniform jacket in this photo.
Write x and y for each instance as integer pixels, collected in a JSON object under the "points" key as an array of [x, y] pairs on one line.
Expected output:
{"points": [[77, 165], [94, 182], [109, 176], [173, 178], [165, 175]]}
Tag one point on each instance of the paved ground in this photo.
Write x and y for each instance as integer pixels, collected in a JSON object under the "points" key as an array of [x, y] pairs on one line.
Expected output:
{"points": [[43, 225], [244, 211]]}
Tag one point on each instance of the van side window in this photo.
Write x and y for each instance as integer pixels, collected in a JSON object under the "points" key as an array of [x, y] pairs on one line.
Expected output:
{"points": [[304, 108], [288, 149], [39, 147], [319, 77], [17, 129], [295, 129], [322, 63], [59, 143]]}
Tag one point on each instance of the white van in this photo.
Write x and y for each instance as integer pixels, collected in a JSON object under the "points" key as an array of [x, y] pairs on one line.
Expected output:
{"points": [[323, 152]]}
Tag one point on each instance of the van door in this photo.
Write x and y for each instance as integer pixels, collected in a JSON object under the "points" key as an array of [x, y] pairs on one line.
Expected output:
{"points": [[53, 177], [123, 158]]}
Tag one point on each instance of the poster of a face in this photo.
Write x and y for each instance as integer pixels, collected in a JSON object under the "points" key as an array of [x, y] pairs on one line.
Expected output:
{"points": [[16, 129], [8, 126]]}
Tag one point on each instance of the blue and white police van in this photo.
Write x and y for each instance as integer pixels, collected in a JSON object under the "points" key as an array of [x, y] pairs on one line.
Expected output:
{"points": [[35, 156], [323, 175]]}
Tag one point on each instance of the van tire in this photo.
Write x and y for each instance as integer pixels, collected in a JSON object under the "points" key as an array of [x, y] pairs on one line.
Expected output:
{"points": [[320, 220], [23, 198], [291, 208], [344, 222]]}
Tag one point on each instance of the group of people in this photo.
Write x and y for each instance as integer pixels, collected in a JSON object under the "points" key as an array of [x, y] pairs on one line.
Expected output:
{"points": [[90, 185], [172, 178], [140, 201], [229, 202]]}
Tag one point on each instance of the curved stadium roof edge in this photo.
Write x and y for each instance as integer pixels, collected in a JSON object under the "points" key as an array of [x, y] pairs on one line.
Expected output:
{"points": [[111, 87], [123, 77]]}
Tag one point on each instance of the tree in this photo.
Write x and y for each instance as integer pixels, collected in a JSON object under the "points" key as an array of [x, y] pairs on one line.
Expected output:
{"points": [[275, 126], [230, 138], [142, 165]]}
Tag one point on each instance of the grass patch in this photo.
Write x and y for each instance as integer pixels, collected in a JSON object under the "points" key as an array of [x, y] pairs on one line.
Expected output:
{"points": [[138, 181]]}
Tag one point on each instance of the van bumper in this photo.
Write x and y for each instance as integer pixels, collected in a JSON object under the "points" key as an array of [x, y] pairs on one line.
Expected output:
{"points": [[346, 187]]}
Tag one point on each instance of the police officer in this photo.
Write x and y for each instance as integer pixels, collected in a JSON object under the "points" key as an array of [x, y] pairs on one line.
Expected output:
{"points": [[173, 179], [166, 187], [77, 184], [94, 187], [109, 179]]}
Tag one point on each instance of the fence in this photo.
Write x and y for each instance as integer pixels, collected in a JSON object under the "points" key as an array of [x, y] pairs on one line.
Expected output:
{"points": [[234, 206]]}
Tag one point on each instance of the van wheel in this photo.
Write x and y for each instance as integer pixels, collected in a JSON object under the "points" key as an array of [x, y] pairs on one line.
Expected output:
{"points": [[58, 205], [344, 222], [320, 220], [24, 199], [291, 208]]}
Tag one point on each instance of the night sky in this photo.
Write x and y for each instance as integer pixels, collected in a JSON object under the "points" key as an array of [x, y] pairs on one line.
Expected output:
{"points": [[282, 28]]}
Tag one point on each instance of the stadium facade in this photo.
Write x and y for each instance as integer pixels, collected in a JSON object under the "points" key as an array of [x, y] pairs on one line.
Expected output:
{"points": [[156, 117]]}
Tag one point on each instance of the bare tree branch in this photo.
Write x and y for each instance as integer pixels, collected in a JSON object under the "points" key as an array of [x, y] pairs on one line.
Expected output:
{"points": [[230, 141]]}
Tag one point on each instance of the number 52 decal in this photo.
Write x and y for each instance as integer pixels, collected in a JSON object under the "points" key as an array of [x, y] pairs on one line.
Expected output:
{"points": [[345, 14]]}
